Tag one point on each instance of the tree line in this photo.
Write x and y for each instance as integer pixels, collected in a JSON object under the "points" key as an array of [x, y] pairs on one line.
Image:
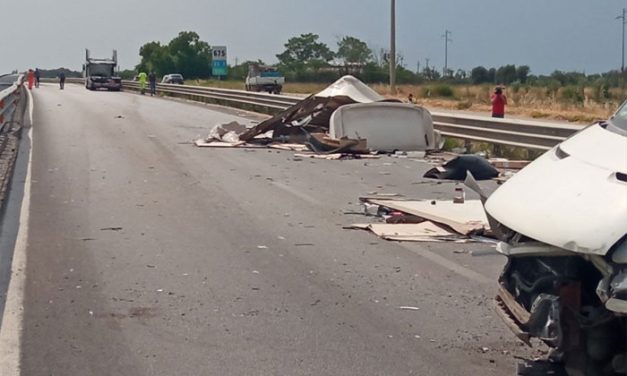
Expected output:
{"points": [[307, 59]]}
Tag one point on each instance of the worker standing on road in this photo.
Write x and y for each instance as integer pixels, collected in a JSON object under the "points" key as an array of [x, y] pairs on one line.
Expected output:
{"points": [[61, 80], [152, 79], [37, 77], [499, 100], [141, 77], [31, 79]]}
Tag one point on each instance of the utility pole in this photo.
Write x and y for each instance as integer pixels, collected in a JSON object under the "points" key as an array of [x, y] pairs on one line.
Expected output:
{"points": [[418, 67], [392, 59], [427, 70], [624, 20], [446, 40]]}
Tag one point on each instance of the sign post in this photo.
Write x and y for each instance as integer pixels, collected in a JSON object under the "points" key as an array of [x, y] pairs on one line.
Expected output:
{"points": [[218, 64]]}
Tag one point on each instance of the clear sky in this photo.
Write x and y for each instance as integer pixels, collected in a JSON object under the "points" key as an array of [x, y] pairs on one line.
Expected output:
{"points": [[581, 35]]}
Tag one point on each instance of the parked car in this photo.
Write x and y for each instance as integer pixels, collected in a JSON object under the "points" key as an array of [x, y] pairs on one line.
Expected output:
{"points": [[174, 78]]}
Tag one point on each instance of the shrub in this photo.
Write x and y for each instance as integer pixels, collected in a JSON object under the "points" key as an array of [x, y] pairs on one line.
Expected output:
{"points": [[515, 87], [572, 94], [441, 90], [452, 143]]}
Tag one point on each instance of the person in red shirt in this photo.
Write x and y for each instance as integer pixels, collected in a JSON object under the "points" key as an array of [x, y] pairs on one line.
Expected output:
{"points": [[499, 100], [31, 79]]}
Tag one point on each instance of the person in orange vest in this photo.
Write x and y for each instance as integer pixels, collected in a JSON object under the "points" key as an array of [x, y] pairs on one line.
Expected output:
{"points": [[31, 79], [499, 101]]}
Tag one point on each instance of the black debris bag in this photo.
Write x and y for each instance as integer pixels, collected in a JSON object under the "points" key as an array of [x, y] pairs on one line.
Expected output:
{"points": [[456, 169]]}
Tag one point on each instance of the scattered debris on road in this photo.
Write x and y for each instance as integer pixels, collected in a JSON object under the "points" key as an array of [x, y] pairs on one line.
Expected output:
{"points": [[457, 168], [336, 156], [408, 308], [347, 118], [427, 220]]}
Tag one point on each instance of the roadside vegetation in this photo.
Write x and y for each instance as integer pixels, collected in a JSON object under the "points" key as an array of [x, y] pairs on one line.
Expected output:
{"points": [[526, 101], [309, 65]]}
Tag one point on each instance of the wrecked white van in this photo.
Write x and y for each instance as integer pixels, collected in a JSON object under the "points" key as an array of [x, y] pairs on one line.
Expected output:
{"points": [[563, 225]]}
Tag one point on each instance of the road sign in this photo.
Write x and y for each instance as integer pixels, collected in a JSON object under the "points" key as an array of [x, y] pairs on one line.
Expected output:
{"points": [[218, 65]]}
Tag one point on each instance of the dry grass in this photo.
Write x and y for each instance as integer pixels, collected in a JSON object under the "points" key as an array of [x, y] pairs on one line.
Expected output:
{"points": [[528, 102]]}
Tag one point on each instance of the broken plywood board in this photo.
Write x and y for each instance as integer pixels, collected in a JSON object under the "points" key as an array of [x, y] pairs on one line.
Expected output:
{"points": [[336, 156], [319, 156], [219, 144], [288, 147], [463, 218], [508, 164], [421, 232]]}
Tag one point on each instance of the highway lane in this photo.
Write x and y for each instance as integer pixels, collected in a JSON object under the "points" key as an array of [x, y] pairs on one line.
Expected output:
{"points": [[148, 256]]}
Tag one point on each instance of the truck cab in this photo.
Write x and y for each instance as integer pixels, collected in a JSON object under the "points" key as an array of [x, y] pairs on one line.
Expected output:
{"points": [[100, 73], [264, 78]]}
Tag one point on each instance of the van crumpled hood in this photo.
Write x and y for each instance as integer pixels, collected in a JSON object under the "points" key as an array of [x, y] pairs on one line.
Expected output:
{"points": [[570, 197]]}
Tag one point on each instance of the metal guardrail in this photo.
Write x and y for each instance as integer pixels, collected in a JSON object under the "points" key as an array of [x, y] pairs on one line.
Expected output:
{"points": [[527, 134], [272, 103], [9, 99]]}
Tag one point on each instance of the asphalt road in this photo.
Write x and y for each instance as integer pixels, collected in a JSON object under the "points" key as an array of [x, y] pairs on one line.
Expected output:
{"points": [[149, 256]]}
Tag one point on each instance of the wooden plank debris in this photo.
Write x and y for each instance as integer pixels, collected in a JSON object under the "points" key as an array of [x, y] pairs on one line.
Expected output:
{"points": [[421, 232], [465, 219]]}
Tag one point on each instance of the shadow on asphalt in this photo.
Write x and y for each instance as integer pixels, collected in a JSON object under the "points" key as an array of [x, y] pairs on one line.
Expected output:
{"points": [[540, 368]]}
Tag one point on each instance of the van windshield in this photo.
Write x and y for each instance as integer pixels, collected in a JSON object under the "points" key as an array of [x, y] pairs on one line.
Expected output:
{"points": [[104, 70], [618, 122]]}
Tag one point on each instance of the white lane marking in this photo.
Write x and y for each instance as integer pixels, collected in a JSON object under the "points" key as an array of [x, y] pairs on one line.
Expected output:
{"points": [[31, 106], [297, 193], [12, 320], [452, 266]]}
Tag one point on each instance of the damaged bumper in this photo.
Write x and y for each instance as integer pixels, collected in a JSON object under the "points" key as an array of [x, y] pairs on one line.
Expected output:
{"points": [[575, 304], [103, 83], [515, 316]]}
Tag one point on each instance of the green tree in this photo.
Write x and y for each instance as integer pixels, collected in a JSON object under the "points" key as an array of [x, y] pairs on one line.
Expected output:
{"points": [[306, 50], [522, 73], [155, 58], [191, 56], [506, 74], [568, 78], [353, 50], [185, 54], [373, 72], [479, 75], [430, 74]]}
